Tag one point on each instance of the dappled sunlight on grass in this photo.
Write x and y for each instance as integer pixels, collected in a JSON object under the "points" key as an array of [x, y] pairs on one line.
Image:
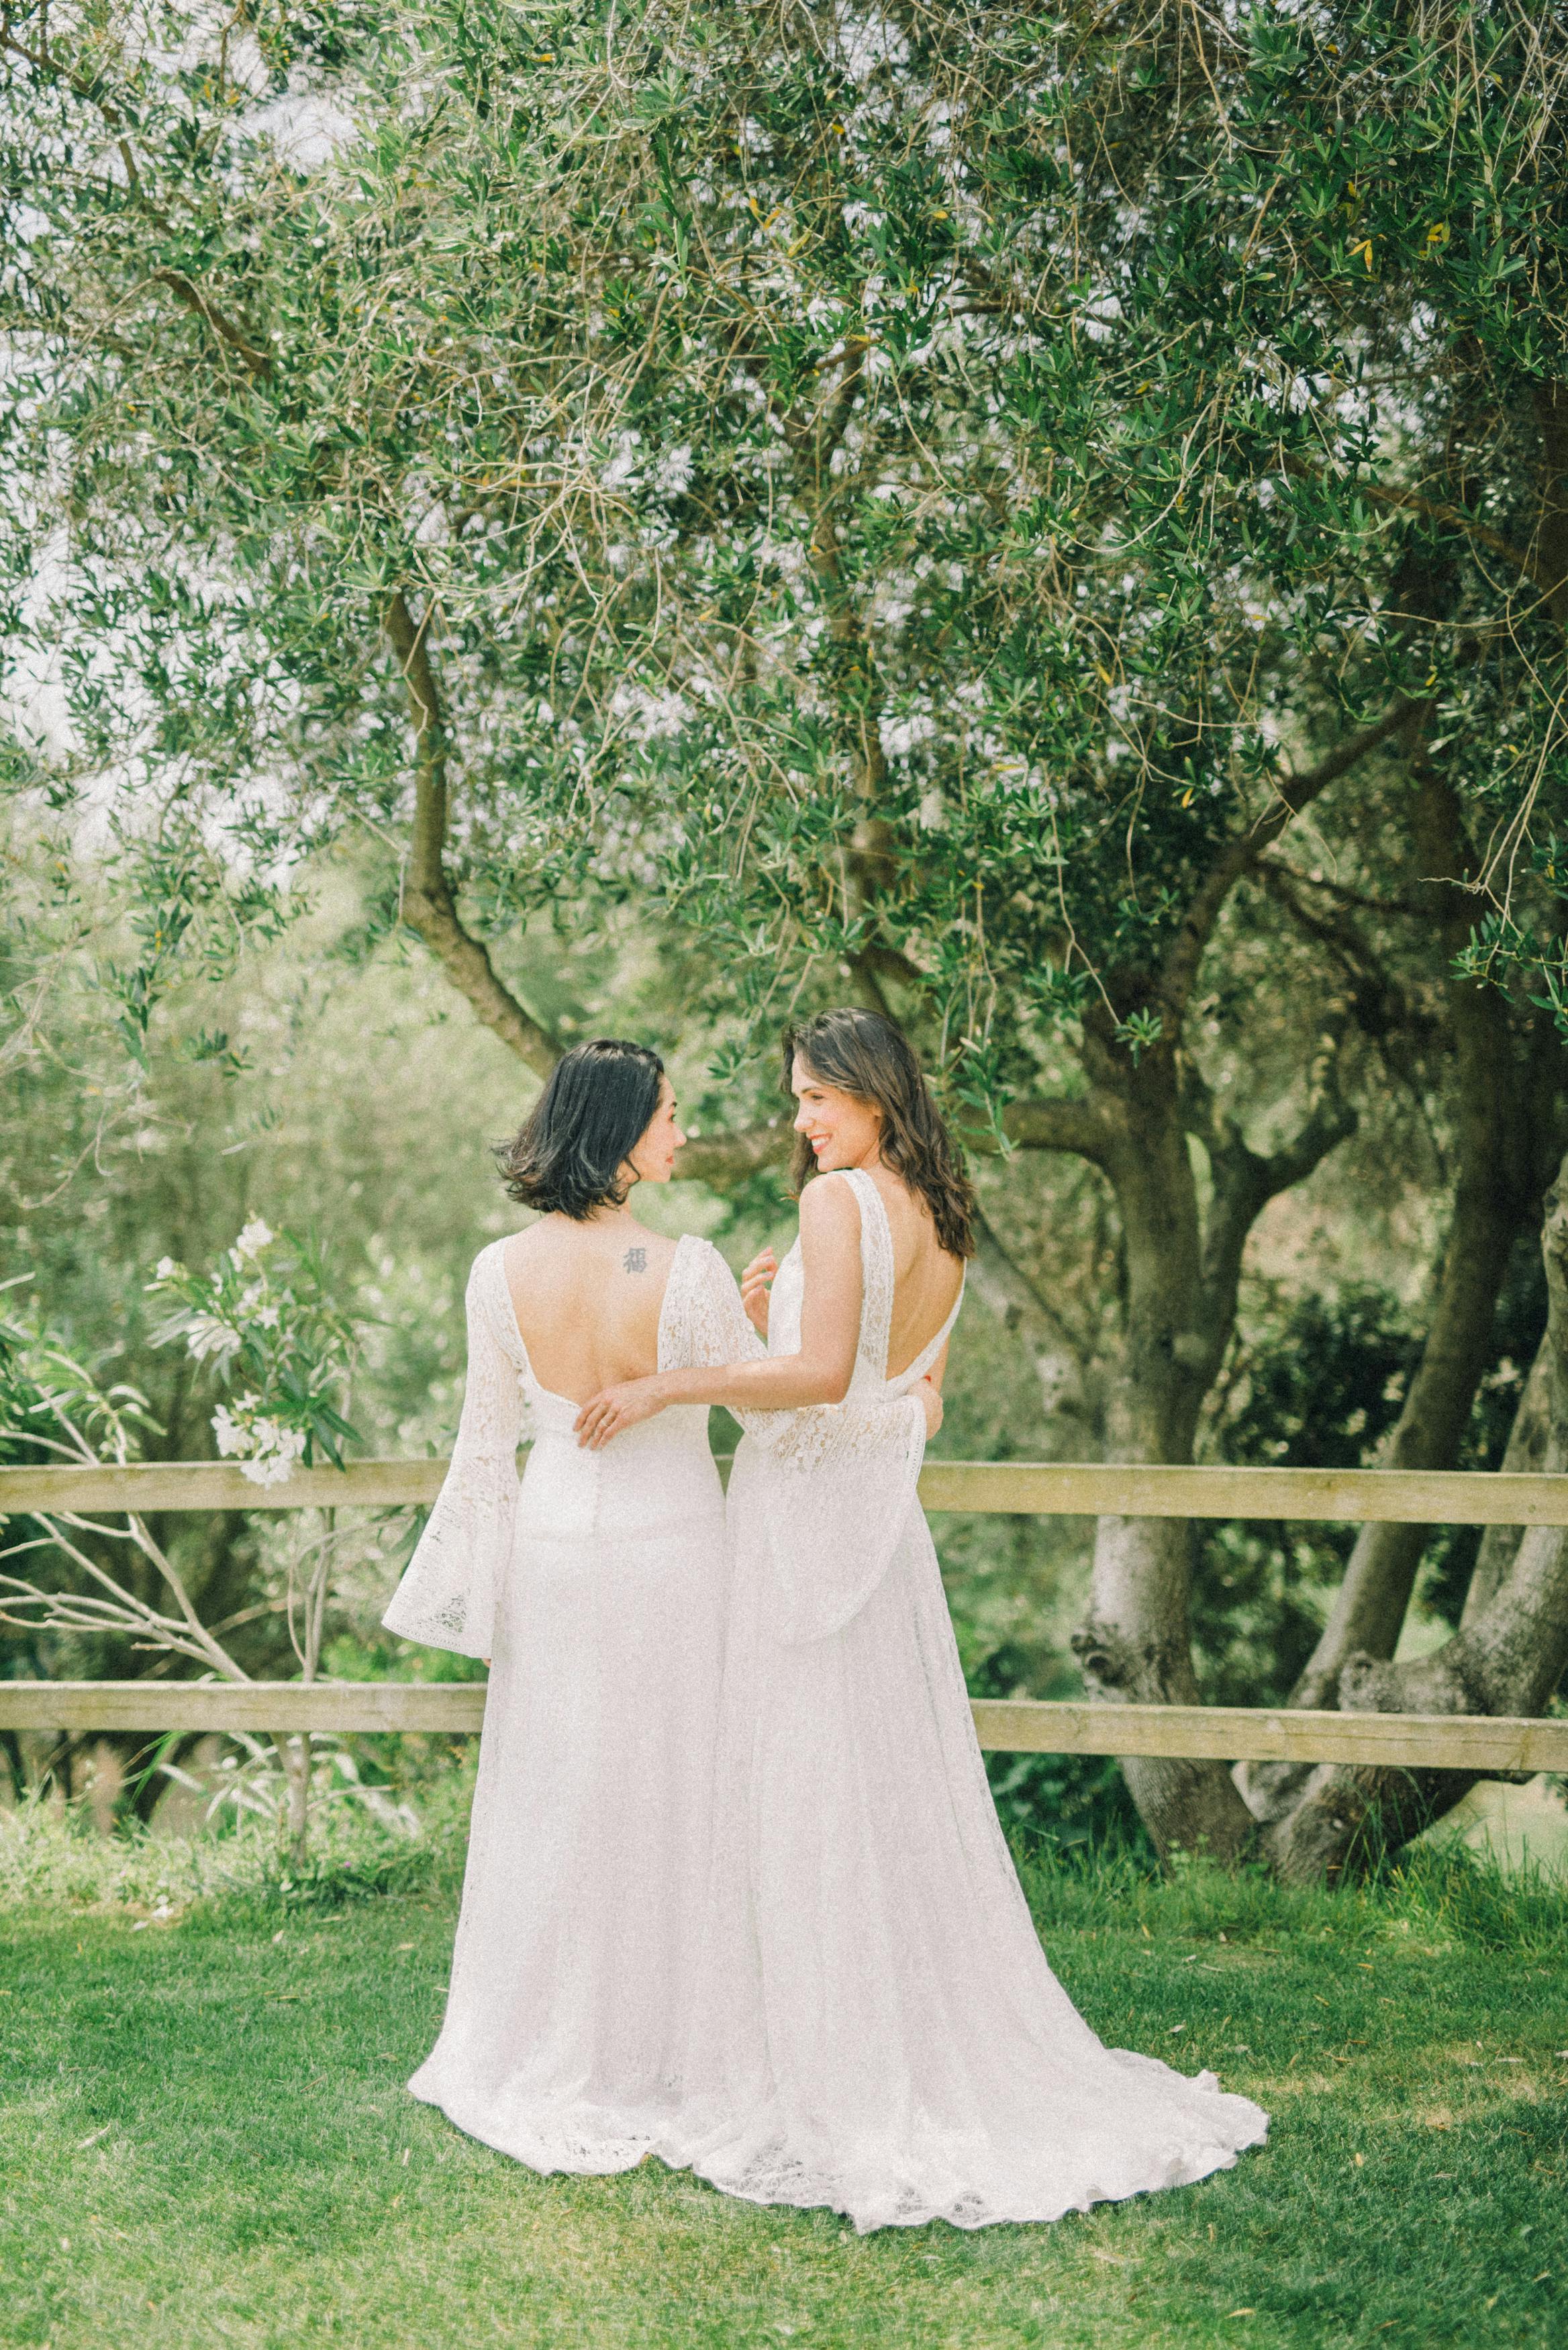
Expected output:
{"points": [[207, 2137]]}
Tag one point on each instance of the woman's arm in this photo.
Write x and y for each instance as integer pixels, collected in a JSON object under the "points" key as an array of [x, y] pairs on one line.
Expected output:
{"points": [[829, 1333], [446, 1594]]}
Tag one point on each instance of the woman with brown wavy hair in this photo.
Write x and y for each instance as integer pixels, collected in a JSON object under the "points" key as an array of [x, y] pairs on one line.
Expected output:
{"points": [[875, 2026]]}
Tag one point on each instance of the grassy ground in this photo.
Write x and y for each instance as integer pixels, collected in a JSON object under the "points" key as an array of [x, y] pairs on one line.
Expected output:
{"points": [[206, 2140]]}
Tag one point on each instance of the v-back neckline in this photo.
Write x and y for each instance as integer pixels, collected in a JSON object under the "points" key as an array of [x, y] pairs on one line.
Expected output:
{"points": [[554, 1395], [863, 1183]]}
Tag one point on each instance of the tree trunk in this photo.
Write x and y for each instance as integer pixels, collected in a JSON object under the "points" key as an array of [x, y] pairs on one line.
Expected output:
{"points": [[1525, 1454], [1492, 1205], [1136, 1646], [1508, 1657]]}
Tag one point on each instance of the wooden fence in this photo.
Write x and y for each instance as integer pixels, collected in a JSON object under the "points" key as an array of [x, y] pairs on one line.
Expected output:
{"points": [[1228, 1733]]}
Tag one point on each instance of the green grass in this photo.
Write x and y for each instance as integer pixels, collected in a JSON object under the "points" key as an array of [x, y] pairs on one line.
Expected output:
{"points": [[206, 2140]]}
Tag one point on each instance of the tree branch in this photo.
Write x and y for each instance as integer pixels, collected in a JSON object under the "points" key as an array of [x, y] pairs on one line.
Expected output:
{"points": [[430, 911], [1075, 1126], [1524, 559], [428, 907], [259, 362], [1244, 851], [1329, 1119], [1245, 1179], [1293, 875]]}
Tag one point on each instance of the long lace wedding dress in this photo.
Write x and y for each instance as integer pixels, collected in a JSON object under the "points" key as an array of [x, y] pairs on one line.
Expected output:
{"points": [[597, 1589], [876, 2027]]}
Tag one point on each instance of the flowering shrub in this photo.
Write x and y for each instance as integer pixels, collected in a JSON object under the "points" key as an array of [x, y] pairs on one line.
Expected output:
{"points": [[266, 1322]]}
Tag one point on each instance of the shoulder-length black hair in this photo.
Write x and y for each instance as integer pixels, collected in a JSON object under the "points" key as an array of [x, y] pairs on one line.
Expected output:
{"points": [[570, 1154], [864, 1055]]}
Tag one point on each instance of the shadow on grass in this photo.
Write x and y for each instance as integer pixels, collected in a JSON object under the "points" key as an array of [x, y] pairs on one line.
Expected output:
{"points": [[207, 2138]]}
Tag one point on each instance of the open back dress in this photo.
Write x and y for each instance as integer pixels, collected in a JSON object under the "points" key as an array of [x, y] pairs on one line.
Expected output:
{"points": [[597, 1587], [877, 2026]]}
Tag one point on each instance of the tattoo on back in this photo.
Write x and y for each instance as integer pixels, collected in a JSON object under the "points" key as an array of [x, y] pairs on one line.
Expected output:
{"points": [[635, 1259]]}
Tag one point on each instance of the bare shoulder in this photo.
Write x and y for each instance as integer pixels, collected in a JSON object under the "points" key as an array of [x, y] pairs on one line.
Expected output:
{"points": [[828, 1203], [517, 1248]]}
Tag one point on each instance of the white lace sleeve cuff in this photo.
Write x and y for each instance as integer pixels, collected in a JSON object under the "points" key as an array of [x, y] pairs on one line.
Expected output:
{"points": [[447, 1596]]}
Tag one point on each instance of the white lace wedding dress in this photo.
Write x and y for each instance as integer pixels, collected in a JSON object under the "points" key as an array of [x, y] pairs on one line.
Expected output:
{"points": [[597, 1589], [801, 1964], [876, 2027]]}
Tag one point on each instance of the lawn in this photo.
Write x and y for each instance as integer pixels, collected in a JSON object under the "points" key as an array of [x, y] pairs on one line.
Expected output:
{"points": [[207, 2139]]}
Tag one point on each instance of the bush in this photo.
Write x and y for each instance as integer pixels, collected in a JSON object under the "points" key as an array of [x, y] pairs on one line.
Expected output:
{"points": [[53, 1856]]}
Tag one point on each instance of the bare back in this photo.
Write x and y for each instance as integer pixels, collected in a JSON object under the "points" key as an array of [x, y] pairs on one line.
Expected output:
{"points": [[587, 1299], [926, 1279]]}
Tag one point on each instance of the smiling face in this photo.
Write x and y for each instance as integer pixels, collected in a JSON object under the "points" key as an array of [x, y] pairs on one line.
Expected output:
{"points": [[842, 1129], [653, 1159]]}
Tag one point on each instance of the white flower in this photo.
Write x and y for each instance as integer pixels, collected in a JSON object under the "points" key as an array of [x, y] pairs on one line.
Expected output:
{"points": [[253, 1239], [274, 1469], [277, 1448], [205, 1335], [864, 43], [622, 469], [266, 1449], [232, 1434], [163, 1268], [650, 715]]}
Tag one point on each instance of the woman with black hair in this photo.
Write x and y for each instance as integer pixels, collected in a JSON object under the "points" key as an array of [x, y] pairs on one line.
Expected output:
{"points": [[597, 1589]]}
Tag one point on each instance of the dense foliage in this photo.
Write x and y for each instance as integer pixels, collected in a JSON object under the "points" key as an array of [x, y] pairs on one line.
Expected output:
{"points": [[906, 488], [1052, 520]]}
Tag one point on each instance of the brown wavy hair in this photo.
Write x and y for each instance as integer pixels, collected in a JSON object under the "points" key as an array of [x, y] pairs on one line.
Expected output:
{"points": [[865, 1055]]}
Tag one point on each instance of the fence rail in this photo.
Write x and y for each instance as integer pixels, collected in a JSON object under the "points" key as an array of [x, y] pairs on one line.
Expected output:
{"points": [[1029, 1488], [1069, 1489], [1016, 1726]]}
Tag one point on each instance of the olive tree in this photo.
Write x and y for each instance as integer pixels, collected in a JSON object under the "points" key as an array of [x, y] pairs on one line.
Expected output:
{"points": [[934, 501]]}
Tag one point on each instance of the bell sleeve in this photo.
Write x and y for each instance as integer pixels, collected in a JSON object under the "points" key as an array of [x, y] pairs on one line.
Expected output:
{"points": [[447, 1596]]}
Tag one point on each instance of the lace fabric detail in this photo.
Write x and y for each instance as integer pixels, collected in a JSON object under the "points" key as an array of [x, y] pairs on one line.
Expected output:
{"points": [[583, 1904], [876, 1287], [446, 1598], [775, 1934], [875, 2028], [842, 1476], [708, 1328]]}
